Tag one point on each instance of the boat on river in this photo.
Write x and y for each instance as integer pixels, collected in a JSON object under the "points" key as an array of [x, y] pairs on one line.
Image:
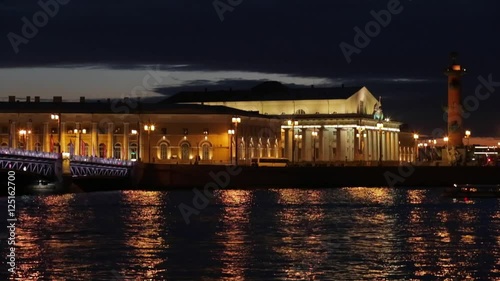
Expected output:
{"points": [[473, 191]]}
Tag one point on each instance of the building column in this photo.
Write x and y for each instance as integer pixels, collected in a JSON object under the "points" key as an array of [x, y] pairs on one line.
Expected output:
{"points": [[62, 145], [308, 144], [368, 145], [376, 138], [110, 148], [140, 143], [391, 146], [13, 135], [396, 144], [340, 145], [351, 141], [321, 144], [46, 137], [94, 142], [305, 145], [125, 141], [30, 136], [364, 144], [288, 144], [77, 138]]}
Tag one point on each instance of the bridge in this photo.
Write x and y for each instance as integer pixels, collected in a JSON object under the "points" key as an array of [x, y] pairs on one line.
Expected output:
{"points": [[56, 164]]}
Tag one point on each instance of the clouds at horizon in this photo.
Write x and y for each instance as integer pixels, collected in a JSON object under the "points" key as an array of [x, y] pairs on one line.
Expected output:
{"points": [[258, 40]]}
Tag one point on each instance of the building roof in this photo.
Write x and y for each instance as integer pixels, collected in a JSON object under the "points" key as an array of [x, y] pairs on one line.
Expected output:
{"points": [[120, 107], [267, 91]]}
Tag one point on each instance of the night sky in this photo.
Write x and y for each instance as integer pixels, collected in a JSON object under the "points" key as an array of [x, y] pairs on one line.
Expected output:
{"points": [[104, 48]]}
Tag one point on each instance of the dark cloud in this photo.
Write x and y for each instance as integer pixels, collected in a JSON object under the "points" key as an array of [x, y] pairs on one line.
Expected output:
{"points": [[295, 37]]}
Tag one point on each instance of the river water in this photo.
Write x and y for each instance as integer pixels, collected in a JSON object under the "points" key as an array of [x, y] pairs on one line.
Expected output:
{"points": [[283, 234]]}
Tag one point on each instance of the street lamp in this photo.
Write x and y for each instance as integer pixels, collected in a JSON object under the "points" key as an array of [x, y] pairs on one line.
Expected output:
{"points": [[293, 123], [467, 136], [80, 132], [314, 135], [380, 126], [23, 134], [230, 132], [134, 133], [236, 121], [58, 118], [415, 137], [149, 128]]}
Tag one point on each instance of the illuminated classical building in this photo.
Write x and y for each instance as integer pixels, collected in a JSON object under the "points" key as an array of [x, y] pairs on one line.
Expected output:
{"points": [[318, 124], [160, 133], [269, 120]]}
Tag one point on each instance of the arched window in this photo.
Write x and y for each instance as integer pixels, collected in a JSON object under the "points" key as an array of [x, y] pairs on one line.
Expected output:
{"points": [[300, 111], [117, 151], [38, 146], [163, 155], [102, 150], [4, 145], [133, 151], [185, 150], [205, 151]]}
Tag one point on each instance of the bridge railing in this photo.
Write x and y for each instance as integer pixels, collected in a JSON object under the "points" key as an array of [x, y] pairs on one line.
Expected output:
{"points": [[29, 153], [109, 161], [52, 155]]}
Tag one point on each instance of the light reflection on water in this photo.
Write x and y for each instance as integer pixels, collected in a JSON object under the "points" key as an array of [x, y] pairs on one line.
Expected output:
{"points": [[280, 234]]}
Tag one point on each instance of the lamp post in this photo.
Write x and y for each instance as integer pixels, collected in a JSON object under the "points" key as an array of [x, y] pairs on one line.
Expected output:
{"points": [[22, 134], [236, 121], [314, 135], [293, 123], [58, 118], [415, 137], [149, 128], [467, 136], [230, 132], [380, 125], [79, 133], [134, 133]]}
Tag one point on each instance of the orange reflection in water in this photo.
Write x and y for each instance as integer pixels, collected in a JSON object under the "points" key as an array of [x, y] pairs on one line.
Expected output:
{"points": [[301, 241], [233, 235], [43, 255], [416, 196], [142, 233], [431, 250], [374, 195]]}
